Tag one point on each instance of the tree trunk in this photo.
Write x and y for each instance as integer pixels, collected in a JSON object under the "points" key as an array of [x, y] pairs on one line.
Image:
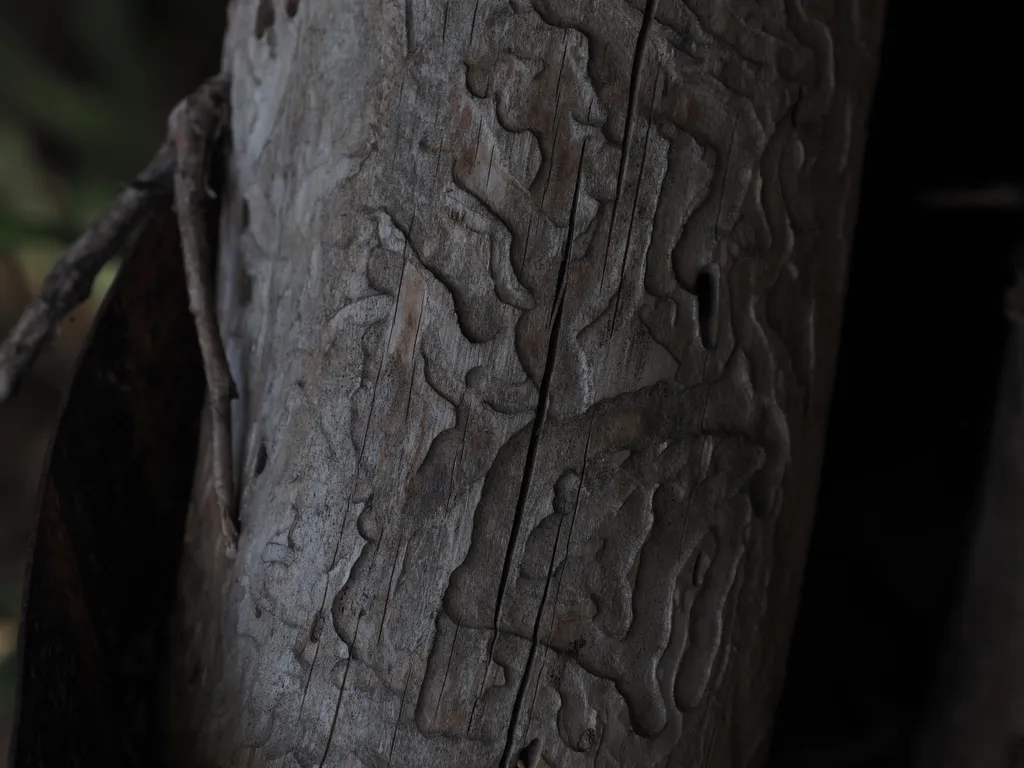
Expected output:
{"points": [[533, 310]]}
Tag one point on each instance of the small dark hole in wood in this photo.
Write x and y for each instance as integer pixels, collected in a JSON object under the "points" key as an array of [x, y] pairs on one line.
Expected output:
{"points": [[700, 568], [261, 459], [529, 756], [244, 287], [317, 628], [706, 289], [587, 740], [245, 214], [264, 18], [291, 7]]}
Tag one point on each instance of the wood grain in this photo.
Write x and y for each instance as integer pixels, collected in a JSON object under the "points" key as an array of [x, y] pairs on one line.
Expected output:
{"points": [[533, 309]]}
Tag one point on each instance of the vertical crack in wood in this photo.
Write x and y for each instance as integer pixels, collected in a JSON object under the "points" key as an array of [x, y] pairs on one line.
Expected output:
{"points": [[398, 718], [531, 457], [447, 672], [341, 692], [472, 140], [568, 539], [632, 215], [472, 26], [554, 134], [358, 464], [627, 136], [408, 27]]}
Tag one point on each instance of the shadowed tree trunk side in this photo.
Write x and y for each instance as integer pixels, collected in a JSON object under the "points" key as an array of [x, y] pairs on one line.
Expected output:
{"points": [[533, 310]]}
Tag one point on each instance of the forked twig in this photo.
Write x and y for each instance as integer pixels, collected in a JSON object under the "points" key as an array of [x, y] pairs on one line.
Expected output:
{"points": [[70, 281], [180, 164]]}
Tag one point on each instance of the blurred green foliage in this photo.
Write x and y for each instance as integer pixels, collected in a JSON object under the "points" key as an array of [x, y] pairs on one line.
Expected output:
{"points": [[85, 89]]}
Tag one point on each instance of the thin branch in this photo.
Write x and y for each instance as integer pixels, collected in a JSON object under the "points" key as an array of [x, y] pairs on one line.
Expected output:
{"points": [[194, 126], [182, 162], [70, 281]]}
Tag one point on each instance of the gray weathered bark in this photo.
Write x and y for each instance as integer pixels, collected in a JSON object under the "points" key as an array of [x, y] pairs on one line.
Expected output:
{"points": [[534, 310]]}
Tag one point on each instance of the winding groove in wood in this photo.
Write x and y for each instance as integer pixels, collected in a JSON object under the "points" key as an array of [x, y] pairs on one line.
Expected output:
{"points": [[529, 504]]}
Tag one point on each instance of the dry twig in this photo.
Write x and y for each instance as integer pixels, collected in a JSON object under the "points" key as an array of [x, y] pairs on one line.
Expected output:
{"points": [[70, 281], [181, 163], [193, 126]]}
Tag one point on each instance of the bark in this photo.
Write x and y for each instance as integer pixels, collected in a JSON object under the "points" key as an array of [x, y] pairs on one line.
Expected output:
{"points": [[534, 311]]}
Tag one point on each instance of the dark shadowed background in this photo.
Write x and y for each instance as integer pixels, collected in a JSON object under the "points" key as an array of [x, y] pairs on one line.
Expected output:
{"points": [[923, 341], [85, 86]]}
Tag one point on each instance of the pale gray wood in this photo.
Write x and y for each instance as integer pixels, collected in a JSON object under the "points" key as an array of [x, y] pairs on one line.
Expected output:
{"points": [[530, 425]]}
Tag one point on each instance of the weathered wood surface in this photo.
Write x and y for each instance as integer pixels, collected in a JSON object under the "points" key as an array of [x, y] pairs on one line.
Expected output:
{"points": [[533, 309]]}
